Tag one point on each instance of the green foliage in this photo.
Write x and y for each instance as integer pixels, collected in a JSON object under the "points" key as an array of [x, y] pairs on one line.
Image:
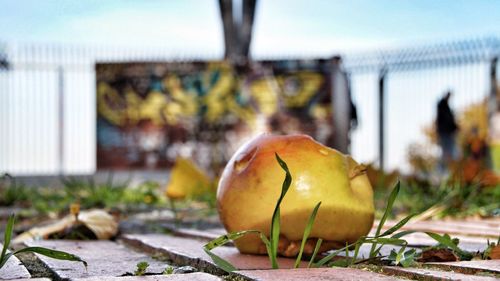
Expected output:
{"points": [[168, 270], [86, 192], [380, 239], [60, 255], [141, 268], [222, 240], [374, 251], [307, 231], [13, 193], [315, 252], [445, 241], [275, 223], [405, 258], [454, 200]]}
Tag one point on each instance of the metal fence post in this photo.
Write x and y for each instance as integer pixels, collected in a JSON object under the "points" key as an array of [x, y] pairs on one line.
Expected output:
{"points": [[381, 117], [341, 106], [493, 102], [60, 117]]}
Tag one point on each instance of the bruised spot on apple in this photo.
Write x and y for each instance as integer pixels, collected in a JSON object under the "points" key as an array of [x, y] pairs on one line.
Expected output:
{"points": [[251, 184]]}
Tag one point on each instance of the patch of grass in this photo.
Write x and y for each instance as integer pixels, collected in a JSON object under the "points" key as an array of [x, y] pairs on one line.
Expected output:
{"points": [[168, 270], [13, 193], [86, 192], [446, 200], [141, 268]]}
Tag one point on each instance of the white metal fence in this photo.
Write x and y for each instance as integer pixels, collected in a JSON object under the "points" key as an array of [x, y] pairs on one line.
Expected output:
{"points": [[48, 114]]}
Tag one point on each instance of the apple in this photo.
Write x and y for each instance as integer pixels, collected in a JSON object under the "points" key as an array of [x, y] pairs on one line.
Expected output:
{"points": [[251, 183]]}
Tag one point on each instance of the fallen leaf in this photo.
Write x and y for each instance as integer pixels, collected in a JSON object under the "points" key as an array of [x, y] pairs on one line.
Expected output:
{"points": [[495, 253], [437, 255]]}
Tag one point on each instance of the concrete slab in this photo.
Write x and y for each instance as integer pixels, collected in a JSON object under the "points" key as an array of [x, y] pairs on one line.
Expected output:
{"points": [[314, 274], [13, 269], [104, 258], [488, 229], [31, 279], [172, 277], [470, 267], [432, 274], [190, 251]]}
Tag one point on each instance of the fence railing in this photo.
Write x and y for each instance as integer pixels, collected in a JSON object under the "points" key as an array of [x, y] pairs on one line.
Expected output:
{"points": [[397, 92], [48, 114]]}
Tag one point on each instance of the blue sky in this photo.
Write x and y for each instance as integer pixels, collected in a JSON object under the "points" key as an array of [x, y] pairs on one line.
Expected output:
{"points": [[282, 27]]}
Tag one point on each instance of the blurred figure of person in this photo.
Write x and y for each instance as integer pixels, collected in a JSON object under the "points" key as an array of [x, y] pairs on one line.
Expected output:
{"points": [[494, 131], [446, 131], [345, 117]]}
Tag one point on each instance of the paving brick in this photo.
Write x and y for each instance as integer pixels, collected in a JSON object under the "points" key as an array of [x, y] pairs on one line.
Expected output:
{"points": [[31, 279], [472, 244], [470, 266], [198, 276], [105, 258], [205, 235], [13, 269], [467, 243], [487, 229], [432, 274], [187, 251], [302, 274]]}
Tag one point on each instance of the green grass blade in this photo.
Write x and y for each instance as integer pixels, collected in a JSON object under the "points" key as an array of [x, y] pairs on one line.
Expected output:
{"points": [[399, 256], [5, 259], [268, 246], [384, 240], [315, 252], [307, 231], [397, 226], [60, 255], [445, 240], [221, 240], [409, 258], [377, 251], [403, 233], [341, 263], [7, 237], [275, 222], [330, 256], [356, 250], [274, 239], [220, 262], [388, 210], [448, 242]]}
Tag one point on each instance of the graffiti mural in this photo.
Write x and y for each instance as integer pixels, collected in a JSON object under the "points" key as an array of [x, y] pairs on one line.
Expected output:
{"points": [[150, 113]]}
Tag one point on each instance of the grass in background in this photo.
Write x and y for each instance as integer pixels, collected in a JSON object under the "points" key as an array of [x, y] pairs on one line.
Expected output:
{"points": [[445, 200], [88, 193]]}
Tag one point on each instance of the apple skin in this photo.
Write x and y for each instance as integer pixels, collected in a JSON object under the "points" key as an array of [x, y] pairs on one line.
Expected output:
{"points": [[251, 184]]}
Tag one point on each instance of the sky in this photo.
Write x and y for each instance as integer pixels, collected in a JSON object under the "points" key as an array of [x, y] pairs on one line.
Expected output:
{"points": [[282, 27]]}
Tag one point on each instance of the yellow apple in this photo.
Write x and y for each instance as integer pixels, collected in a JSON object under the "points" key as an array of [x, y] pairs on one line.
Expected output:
{"points": [[251, 185]]}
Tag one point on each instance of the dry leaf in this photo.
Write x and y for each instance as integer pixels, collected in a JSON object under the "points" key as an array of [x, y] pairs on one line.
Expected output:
{"points": [[101, 223], [437, 255], [495, 253]]}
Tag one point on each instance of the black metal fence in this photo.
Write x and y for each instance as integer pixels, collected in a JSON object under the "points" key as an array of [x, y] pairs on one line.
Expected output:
{"points": [[48, 114]]}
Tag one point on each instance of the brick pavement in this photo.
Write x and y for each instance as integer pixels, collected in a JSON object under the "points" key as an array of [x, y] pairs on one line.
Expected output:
{"points": [[116, 260]]}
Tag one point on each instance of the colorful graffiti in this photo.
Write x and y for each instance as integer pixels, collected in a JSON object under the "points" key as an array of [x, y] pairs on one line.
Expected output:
{"points": [[150, 113]]}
